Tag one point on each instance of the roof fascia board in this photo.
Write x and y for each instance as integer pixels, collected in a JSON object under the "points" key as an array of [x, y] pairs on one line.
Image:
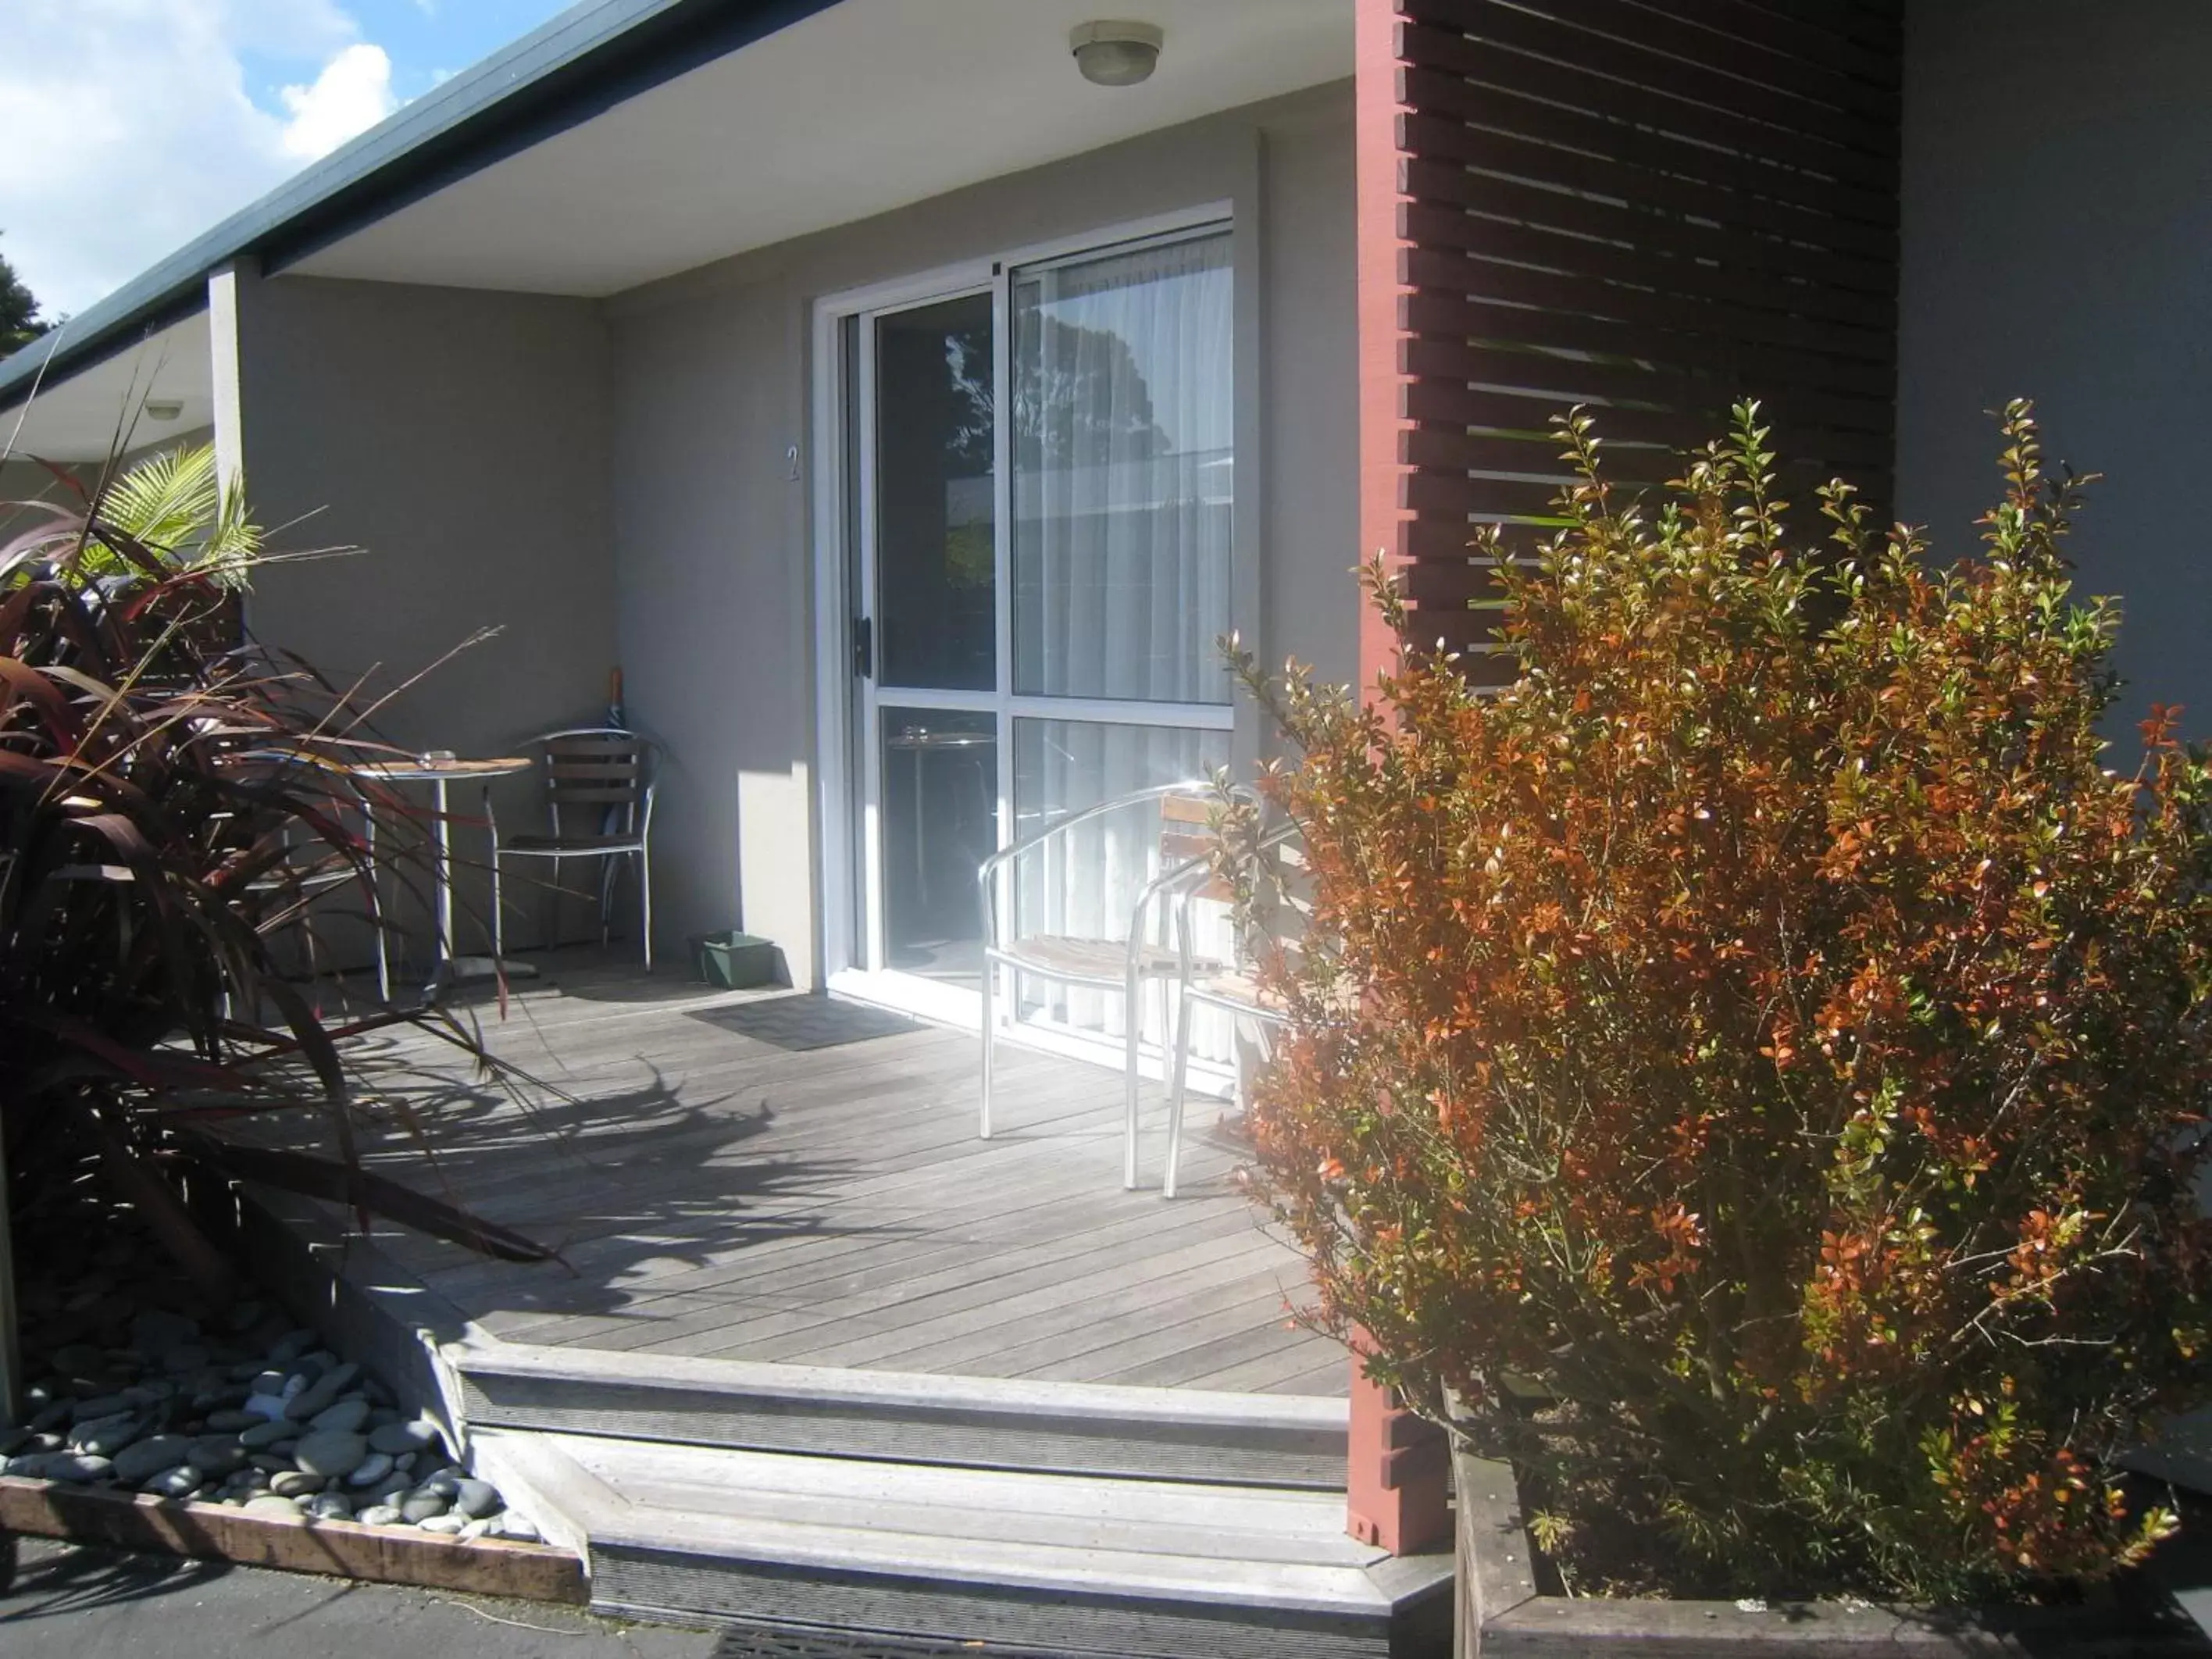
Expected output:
{"points": [[575, 67], [680, 36], [160, 312]]}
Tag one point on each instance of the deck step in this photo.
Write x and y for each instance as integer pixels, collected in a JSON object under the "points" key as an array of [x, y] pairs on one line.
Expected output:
{"points": [[1067, 1428], [1162, 1570]]}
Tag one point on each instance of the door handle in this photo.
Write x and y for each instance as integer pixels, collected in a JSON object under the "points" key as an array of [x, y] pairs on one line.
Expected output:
{"points": [[864, 647]]}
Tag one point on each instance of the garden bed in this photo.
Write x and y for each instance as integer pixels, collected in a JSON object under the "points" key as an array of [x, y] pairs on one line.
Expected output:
{"points": [[156, 1418], [1502, 1611]]}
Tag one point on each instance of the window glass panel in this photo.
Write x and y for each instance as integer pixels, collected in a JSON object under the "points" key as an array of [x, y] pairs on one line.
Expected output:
{"points": [[940, 817], [1124, 474], [936, 559], [1086, 885]]}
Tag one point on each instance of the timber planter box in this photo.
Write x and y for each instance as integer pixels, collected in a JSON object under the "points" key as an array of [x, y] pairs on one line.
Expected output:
{"points": [[1501, 1614]]}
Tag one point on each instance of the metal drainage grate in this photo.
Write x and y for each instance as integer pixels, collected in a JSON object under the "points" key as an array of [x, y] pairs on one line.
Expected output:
{"points": [[782, 1642]]}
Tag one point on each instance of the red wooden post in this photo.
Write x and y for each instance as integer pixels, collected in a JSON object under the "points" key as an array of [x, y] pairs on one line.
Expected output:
{"points": [[1395, 1496], [1396, 1480]]}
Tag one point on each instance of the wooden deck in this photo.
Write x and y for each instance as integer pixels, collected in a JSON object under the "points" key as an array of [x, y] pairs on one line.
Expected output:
{"points": [[789, 1178]]}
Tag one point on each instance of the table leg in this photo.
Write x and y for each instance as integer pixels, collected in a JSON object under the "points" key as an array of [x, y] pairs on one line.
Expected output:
{"points": [[451, 970], [921, 838], [442, 837]]}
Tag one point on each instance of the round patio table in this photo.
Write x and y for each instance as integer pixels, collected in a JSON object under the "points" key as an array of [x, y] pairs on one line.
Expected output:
{"points": [[441, 772]]}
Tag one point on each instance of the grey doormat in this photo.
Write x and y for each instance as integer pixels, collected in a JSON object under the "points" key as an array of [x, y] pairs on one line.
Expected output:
{"points": [[804, 1022]]}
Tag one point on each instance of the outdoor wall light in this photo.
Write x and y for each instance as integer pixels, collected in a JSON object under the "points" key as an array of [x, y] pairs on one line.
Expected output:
{"points": [[1112, 53], [163, 409]]}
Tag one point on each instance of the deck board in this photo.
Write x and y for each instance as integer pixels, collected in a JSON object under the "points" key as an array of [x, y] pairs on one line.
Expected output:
{"points": [[796, 1264], [714, 1194], [1118, 1331], [814, 1326]]}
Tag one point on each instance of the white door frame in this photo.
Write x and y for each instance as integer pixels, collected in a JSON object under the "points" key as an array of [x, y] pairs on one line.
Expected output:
{"points": [[847, 788]]}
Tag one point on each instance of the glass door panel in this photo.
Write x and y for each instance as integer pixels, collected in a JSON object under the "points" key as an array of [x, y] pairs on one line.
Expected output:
{"points": [[1066, 766], [934, 725], [1124, 474], [939, 821], [1089, 887], [1042, 482], [936, 554]]}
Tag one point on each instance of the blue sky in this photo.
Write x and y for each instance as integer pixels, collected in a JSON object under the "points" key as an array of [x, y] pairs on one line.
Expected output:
{"points": [[127, 127], [426, 40]]}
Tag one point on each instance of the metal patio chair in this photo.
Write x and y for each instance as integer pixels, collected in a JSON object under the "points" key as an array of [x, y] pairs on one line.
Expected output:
{"points": [[599, 783], [310, 866], [1281, 903], [1123, 965]]}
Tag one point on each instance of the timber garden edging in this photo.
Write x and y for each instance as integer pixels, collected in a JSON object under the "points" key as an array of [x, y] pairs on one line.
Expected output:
{"points": [[1500, 1612], [341, 1549]]}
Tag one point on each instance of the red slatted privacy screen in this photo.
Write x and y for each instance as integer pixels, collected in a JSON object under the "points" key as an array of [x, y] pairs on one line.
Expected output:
{"points": [[1653, 207]]}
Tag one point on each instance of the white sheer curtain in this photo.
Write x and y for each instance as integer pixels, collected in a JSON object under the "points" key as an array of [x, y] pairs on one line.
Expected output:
{"points": [[1123, 485], [1124, 474]]}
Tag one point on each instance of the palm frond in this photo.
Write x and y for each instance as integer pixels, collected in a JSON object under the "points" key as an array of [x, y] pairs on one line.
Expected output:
{"points": [[175, 503]]}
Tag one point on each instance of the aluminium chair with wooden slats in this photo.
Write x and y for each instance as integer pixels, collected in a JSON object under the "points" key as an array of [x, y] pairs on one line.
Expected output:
{"points": [[599, 785], [1124, 965], [1280, 907]]}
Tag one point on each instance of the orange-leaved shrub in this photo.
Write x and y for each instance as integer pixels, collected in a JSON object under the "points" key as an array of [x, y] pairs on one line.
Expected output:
{"points": [[1758, 1057]]}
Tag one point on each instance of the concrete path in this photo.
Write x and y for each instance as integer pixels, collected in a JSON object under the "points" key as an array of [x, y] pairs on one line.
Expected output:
{"points": [[70, 1602], [78, 1603]]}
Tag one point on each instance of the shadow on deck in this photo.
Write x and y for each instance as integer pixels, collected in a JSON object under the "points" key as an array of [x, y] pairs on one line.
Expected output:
{"points": [[778, 1177]]}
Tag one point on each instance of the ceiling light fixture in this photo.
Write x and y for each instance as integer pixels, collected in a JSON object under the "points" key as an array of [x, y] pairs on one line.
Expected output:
{"points": [[1114, 53], [164, 409]]}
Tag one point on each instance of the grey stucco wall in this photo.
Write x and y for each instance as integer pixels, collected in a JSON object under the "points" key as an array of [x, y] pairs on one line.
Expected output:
{"points": [[1309, 601], [711, 393], [26, 480], [460, 439], [2057, 242]]}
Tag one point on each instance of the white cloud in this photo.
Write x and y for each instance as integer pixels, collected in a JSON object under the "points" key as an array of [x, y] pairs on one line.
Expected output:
{"points": [[352, 95], [126, 127]]}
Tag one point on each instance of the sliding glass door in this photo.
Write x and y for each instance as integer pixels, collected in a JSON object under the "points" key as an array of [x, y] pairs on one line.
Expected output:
{"points": [[1041, 479], [931, 630]]}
